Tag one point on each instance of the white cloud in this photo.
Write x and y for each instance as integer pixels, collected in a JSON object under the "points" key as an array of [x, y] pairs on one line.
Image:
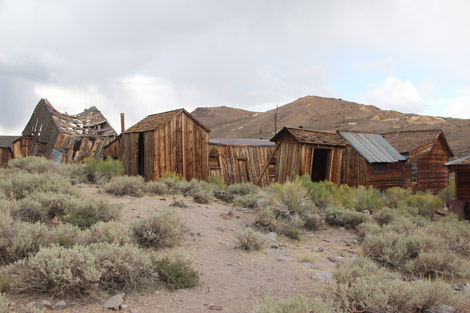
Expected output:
{"points": [[458, 107], [396, 94]]}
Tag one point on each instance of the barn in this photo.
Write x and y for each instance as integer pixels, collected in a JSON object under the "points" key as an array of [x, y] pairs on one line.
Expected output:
{"points": [[161, 143], [6, 149], [427, 151], [369, 160], [66, 138], [461, 167], [242, 160]]}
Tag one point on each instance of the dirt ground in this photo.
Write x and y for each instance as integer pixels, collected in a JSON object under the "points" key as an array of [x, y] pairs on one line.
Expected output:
{"points": [[230, 280]]}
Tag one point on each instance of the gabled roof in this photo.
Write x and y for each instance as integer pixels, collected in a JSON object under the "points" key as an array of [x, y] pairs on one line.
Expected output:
{"points": [[415, 140], [308, 136], [7, 141], [242, 142], [373, 147], [154, 121], [465, 161]]}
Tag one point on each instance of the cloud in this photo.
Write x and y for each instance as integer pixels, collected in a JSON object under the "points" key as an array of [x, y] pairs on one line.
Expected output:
{"points": [[387, 66], [396, 94], [458, 107]]}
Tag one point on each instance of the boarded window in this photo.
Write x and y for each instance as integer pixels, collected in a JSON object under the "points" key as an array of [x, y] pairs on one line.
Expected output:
{"points": [[414, 172], [380, 168]]}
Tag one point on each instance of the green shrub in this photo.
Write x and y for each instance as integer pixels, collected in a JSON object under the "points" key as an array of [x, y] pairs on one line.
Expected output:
{"points": [[82, 271], [297, 304], [344, 217], [322, 192], [217, 182], [20, 185], [68, 235], [293, 233], [426, 203], [242, 189], [156, 188], [126, 185], [291, 197], [345, 196], [174, 182], [200, 191], [90, 212], [249, 240], [385, 216], [395, 194], [368, 199], [447, 193], [176, 274], [160, 230], [110, 168], [5, 281], [110, 232]]}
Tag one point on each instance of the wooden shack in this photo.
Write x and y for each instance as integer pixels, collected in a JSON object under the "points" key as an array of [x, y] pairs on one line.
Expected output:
{"points": [[461, 167], [161, 143], [301, 151], [66, 138], [427, 151], [369, 160], [6, 149], [242, 160]]}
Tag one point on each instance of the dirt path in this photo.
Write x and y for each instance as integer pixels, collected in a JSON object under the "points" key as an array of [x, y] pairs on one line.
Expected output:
{"points": [[232, 279]]}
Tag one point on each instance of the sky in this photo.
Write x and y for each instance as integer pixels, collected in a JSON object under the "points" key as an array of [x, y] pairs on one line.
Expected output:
{"points": [[145, 57]]}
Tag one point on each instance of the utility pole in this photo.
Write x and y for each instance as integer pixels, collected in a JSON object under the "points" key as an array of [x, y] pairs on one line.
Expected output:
{"points": [[275, 121]]}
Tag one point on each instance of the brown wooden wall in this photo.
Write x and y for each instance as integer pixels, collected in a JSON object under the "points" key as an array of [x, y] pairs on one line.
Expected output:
{"points": [[241, 164], [294, 159], [432, 174], [181, 145], [21, 147], [114, 149], [5, 156], [393, 177], [462, 187], [353, 168]]}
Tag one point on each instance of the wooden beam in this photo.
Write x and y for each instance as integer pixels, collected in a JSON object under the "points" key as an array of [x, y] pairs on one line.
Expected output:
{"points": [[267, 165]]}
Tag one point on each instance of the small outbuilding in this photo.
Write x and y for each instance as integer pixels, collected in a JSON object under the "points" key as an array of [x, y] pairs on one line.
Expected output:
{"points": [[427, 151], [66, 138], [6, 149], [162, 143], [242, 160], [461, 167]]}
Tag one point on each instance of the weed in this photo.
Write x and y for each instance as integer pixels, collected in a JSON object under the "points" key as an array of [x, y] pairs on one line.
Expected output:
{"points": [[297, 304], [176, 274], [126, 185], [156, 188], [344, 217], [249, 240], [90, 212]]}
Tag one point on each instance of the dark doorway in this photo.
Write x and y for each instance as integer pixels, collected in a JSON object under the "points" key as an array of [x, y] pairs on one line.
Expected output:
{"points": [[320, 164], [141, 155]]}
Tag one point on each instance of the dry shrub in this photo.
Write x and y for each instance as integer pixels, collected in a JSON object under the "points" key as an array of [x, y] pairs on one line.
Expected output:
{"points": [[177, 274], [201, 191], [385, 216], [55, 204], [290, 197], [110, 232], [156, 188], [455, 233], [297, 304], [313, 222], [126, 185], [367, 199], [34, 164], [426, 203], [395, 194], [242, 189], [344, 217], [3, 303], [82, 271], [247, 201], [249, 240], [216, 182], [159, 230], [90, 212]]}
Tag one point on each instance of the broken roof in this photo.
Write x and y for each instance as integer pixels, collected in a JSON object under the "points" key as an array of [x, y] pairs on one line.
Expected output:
{"points": [[309, 136], [7, 141], [242, 142], [90, 122], [411, 140], [465, 161], [154, 121], [373, 147]]}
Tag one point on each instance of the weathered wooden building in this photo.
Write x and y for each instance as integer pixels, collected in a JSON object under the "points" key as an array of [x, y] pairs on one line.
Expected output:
{"points": [[461, 167], [300, 151], [242, 160], [172, 141], [369, 160], [67, 138], [6, 149], [427, 151]]}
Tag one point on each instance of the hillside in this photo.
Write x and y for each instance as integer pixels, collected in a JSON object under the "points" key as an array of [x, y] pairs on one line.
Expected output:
{"points": [[329, 114]]}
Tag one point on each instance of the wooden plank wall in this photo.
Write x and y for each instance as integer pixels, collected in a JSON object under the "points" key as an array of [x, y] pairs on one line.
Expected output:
{"points": [[239, 164], [462, 186], [5, 156], [114, 149], [353, 168], [130, 145], [382, 181]]}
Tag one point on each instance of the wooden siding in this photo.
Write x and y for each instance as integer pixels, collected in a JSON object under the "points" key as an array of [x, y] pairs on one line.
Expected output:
{"points": [[21, 147], [114, 149], [353, 168], [241, 164], [5, 156], [393, 176]]}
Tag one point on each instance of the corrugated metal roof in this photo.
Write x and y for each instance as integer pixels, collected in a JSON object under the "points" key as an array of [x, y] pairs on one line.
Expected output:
{"points": [[308, 136], [243, 142], [373, 147], [465, 161]]}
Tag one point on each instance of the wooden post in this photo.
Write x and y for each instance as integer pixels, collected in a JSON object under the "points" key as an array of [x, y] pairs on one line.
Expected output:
{"points": [[123, 128]]}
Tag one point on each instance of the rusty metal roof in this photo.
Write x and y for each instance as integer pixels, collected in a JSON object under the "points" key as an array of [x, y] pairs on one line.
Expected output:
{"points": [[309, 136], [242, 142], [154, 121], [465, 161], [373, 147]]}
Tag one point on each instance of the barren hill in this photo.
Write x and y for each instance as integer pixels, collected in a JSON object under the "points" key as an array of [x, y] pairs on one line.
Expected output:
{"points": [[329, 114]]}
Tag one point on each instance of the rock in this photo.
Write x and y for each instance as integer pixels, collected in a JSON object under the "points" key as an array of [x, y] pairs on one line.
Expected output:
{"points": [[274, 246], [326, 240], [215, 307], [133, 311], [115, 302], [324, 275], [59, 305], [45, 304], [272, 236], [309, 265], [367, 212], [221, 228], [129, 197], [182, 290], [333, 258], [320, 250], [465, 288], [440, 309], [278, 256]]}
